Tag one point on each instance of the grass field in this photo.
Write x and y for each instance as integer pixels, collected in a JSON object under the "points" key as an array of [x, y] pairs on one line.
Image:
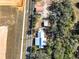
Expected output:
{"points": [[13, 19]]}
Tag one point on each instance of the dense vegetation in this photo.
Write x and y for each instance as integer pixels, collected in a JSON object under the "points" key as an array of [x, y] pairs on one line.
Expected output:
{"points": [[63, 42]]}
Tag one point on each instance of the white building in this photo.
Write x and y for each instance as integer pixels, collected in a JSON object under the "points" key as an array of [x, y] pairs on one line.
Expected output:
{"points": [[40, 40], [46, 23]]}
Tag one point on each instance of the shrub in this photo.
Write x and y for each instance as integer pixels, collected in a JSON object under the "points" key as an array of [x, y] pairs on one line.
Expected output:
{"points": [[65, 43]]}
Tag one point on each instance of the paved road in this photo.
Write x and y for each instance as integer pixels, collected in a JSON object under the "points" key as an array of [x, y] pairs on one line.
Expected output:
{"points": [[30, 6]]}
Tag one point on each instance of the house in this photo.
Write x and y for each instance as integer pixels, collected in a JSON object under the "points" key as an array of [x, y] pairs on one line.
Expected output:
{"points": [[39, 7], [40, 39]]}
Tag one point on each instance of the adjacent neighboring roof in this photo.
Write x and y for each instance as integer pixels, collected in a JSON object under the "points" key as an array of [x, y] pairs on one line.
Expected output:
{"points": [[11, 2], [39, 7]]}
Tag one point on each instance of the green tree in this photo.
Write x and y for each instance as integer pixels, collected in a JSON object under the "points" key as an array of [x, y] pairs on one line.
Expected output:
{"points": [[62, 17]]}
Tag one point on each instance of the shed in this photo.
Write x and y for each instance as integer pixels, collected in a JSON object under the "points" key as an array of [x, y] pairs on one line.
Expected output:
{"points": [[46, 22]]}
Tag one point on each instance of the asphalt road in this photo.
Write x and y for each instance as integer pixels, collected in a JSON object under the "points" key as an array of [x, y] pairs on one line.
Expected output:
{"points": [[29, 11]]}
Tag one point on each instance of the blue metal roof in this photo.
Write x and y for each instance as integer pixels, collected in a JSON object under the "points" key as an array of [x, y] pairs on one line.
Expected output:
{"points": [[40, 40]]}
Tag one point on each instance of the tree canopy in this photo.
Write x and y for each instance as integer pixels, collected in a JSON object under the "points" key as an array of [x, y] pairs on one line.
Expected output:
{"points": [[65, 43]]}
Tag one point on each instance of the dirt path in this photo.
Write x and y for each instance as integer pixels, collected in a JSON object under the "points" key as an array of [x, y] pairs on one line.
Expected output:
{"points": [[38, 23], [76, 10]]}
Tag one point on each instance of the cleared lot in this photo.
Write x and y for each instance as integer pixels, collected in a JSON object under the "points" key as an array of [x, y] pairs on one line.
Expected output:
{"points": [[11, 17]]}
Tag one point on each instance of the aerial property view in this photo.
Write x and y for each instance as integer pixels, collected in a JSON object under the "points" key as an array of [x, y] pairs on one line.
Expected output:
{"points": [[54, 32], [39, 29]]}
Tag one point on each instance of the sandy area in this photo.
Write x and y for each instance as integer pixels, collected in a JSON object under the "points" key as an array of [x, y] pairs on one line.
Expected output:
{"points": [[3, 41]]}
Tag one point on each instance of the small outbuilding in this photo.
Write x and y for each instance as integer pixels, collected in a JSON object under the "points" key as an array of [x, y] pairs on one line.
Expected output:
{"points": [[46, 23]]}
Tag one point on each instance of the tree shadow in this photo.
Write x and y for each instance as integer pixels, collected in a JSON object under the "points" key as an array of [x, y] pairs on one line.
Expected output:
{"points": [[28, 49], [77, 5]]}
